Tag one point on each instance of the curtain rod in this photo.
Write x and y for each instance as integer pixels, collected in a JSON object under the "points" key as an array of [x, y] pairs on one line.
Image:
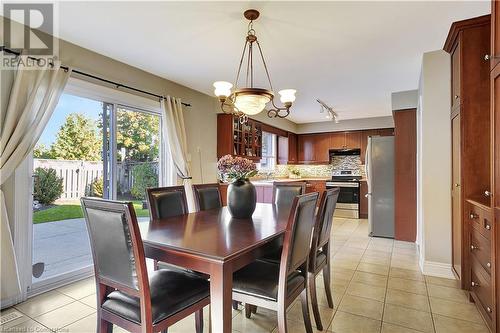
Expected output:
{"points": [[117, 84]]}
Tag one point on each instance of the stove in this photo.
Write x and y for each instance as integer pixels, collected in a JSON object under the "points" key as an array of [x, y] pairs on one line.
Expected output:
{"points": [[348, 201]]}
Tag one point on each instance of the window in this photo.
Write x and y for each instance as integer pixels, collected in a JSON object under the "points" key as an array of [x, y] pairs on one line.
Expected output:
{"points": [[268, 161]]}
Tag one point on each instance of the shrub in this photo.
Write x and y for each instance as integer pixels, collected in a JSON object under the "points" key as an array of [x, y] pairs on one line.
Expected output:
{"points": [[48, 186], [97, 187], [144, 176]]}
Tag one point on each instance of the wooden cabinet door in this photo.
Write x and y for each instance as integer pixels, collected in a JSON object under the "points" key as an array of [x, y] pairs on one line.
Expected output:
{"points": [[455, 77], [495, 123], [292, 148], [337, 140], [456, 197], [353, 139], [305, 148], [268, 194], [283, 148], [364, 142], [322, 145]]}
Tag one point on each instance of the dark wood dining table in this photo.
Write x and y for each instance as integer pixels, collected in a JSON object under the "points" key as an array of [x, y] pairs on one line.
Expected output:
{"points": [[214, 243]]}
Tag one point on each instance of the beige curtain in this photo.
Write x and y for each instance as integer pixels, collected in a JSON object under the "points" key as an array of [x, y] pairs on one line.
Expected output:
{"points": [[174, 134], [33, 97]]}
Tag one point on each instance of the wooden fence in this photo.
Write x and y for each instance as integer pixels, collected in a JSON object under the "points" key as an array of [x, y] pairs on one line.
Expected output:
{"points": [[78, 175]]}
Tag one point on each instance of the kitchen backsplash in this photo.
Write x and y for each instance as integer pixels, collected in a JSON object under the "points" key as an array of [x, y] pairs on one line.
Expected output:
{"points": [[346, 163]]}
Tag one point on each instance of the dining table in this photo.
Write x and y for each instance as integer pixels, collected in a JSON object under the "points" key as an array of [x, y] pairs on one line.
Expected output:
{"points": [[215, 243]]}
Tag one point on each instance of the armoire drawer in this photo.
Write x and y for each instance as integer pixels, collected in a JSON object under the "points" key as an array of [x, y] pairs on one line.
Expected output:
{"points": [[481, 288], [480, 248], [480, 219]]}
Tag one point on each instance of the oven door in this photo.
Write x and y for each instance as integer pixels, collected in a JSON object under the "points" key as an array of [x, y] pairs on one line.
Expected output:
{"points": [[348, 197]]}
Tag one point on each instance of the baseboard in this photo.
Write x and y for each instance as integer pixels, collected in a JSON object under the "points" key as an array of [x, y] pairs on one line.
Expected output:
{"points": [[437, 269]]}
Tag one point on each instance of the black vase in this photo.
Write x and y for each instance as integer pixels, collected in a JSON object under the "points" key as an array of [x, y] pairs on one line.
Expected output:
{"points": [[241, 199]]}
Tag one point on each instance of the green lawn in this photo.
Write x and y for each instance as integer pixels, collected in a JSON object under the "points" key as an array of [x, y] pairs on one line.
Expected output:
{"points": [[73, 211]]}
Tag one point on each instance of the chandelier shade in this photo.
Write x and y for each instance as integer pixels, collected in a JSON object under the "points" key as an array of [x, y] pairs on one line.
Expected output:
{"points": [[251, 100]]}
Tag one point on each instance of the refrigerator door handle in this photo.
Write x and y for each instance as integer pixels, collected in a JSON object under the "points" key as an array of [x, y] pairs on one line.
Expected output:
{"points": [[368, 195]]}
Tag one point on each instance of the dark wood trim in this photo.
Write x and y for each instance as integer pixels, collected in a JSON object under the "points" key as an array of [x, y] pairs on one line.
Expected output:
{"points": [[458, 26]]}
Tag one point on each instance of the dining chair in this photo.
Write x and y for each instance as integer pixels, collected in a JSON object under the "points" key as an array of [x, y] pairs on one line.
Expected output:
{"points": [[127, 295], [165, 202], [207, 196], [276, 286], [319, 257], [285, 192]]}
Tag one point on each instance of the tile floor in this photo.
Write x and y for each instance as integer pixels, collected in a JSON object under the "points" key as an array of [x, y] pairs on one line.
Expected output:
{"points": [[376, 283]]}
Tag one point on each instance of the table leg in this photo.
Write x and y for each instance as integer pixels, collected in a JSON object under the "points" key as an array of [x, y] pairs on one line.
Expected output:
{"points": [[221, 285]]}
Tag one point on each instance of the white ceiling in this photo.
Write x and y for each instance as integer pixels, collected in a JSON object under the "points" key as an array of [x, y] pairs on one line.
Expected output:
{"points": [[351, 55]]}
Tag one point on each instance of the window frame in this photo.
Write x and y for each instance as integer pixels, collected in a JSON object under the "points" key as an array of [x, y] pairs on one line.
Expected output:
{"points": [[274, 154]]}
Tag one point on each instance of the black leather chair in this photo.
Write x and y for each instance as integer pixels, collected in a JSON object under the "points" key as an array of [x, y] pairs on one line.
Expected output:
{"points": [[165, 202], [126, 295], [319, 258], [276, 286], [207, 196], [285, 192]]}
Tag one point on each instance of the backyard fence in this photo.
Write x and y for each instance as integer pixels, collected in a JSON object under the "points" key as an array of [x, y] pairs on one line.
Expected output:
{"points": [[78, 175]]}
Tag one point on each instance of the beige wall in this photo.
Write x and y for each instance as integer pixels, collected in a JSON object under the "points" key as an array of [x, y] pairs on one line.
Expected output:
{"points": [[407, 99], [434, 168], [346, 125]]}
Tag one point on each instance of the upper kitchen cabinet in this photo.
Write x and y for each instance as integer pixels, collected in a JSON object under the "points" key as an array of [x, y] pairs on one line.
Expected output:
{"points": [[287, 149], [292, 148], [353, 139], [237, 139]]}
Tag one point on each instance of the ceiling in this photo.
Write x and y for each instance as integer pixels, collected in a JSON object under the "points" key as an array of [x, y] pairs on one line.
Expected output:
{"points": [[351, 55]]}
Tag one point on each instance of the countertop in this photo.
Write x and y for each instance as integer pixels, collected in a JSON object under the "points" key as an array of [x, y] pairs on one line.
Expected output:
{"points": [[269, 182]]}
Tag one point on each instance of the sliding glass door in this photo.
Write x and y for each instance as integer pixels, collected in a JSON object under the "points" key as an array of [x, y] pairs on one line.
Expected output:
{"points": [[89, 148]]}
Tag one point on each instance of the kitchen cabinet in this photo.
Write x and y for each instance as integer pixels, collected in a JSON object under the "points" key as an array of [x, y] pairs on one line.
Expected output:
{"points": [[306, 148], [283, 150], [292, 148], [353, 139], [237, 139], [473, 249], [363, 200], [337, 140]]}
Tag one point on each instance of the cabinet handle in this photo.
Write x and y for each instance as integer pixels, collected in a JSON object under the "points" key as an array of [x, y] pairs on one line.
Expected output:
{"points": [[488, 265], [488, 227], [457, 185], [473, 247], [488, 57], [488, 309], [456, 96], [474, 284], [487, 193], [473, 216]]}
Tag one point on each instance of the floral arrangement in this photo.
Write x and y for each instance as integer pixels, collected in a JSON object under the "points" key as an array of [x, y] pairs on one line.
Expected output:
{"points": [[235, 168]]}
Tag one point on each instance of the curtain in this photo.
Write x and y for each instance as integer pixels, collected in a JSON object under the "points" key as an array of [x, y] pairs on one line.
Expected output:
{"points": [[33, 97], [174, 136]]}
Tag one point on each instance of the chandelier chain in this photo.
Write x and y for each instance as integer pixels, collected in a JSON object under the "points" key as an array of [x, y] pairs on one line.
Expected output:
{"points": [[241, 63], [265, 65]]}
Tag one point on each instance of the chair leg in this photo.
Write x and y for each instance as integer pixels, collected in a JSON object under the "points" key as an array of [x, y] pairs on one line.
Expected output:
{"points": [[314, 300], [235, 305], [198, 318], [326, 280], [305, 311], [282, 325], [248, 310], [104, 326]]}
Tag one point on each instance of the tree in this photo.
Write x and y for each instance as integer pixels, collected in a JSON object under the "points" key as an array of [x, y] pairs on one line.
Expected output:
{"points": [[42, 151], [77, 139], [138, 133], [48, 186]]}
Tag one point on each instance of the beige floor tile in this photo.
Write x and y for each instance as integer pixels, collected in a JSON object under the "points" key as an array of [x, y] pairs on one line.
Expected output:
{"points": [[298, 327], [43, 303], [90, 300], [391, 328], [84, 325], [380, 254], [362, 307], [405, 245], [366, 291], [261, 322], [409, 318], [186, 325], [14, 322], [411, 286], [450, 283], [446, 325], [369, 278], [27, 327], [79, 289], [376, 260], [295, 313], [463, 311], [373, 268], [65, 315], [406, 274], [452, 294], [349, 323], [405, 264], [408, 300]]}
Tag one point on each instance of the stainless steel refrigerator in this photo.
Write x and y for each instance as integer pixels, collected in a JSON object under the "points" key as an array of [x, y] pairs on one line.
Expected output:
{"points": [[379, 164]]}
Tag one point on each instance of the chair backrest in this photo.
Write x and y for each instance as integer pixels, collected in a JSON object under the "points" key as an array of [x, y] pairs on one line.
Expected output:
{"points": [[297, 240], [207, 196], [285, 192], [324, 220], [116, 244], [165, 202]]}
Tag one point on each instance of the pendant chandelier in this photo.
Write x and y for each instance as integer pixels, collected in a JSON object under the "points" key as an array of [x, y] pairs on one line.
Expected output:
{"points": [[249, 101]]}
